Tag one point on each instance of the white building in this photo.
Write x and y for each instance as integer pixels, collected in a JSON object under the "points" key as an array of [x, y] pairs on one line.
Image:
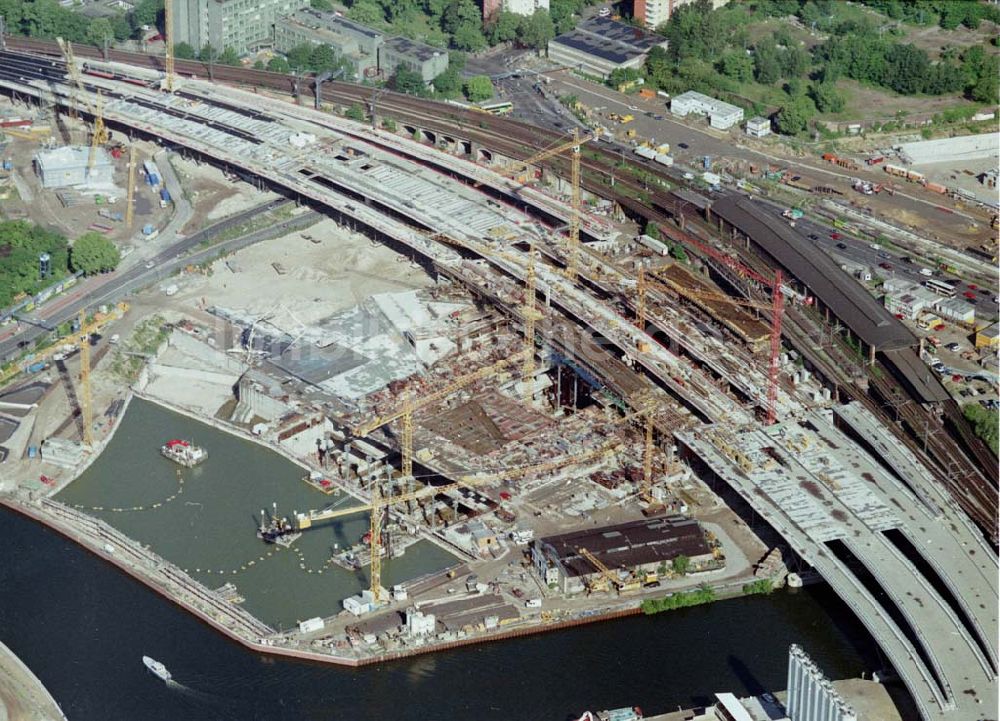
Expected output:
{"points": [[720, 115], [653, 13], [361, 604], [525, 7], [956, 310], [910, 301], [758, 127], [811, 697], [419, 623], [67, 166]]}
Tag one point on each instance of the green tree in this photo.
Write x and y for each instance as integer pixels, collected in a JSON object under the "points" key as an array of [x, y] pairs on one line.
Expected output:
{"points": [[678, 253], [448, 84], [93, 253], [229, 57], [366, 12], [148, 12], [985, 423], [563, 14], [322, 5], [621, 76], [794, 62], [299, 57], [121, 27], [322, 58], [469, 37], [183, 51], [737, 65], [100, 31], [355, 112], [537, 30], [827, 98], [208, 54], [681, 564], [766, 68], [478, 88], [795, 115], [505, 28], [652, 230], [21, 244], [408, 81], [278, 64]]}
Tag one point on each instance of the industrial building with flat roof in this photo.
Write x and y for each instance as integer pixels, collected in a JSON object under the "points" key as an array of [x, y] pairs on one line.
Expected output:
{"points": [[635, 546], [600, 45], [369, 51], [67, 166], [720, 115]]}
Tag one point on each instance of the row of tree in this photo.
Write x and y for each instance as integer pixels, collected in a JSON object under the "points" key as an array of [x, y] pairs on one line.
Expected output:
{"points": [[49, 19], [680, 599], [710, 51], [21, 245], [458, 24], [985, 423]]}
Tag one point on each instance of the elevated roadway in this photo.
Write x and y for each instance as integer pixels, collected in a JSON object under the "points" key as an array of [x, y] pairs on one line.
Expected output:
{"points": [[950, 673]]}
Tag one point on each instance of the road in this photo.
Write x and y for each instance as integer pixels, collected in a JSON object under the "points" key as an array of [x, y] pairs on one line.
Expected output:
{"points": [[112, 286]]}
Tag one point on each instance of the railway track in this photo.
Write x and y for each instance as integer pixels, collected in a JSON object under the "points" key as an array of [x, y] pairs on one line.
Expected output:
{"points": [[976, 492]]}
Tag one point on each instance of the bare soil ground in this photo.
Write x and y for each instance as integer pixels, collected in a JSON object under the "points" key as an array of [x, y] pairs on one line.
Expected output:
{"points": [[315, 279], [212, 195], [934, 39]]}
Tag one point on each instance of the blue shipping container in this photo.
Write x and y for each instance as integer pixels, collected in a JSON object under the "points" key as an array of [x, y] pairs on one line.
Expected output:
{"points": [[32, 451], [8, 165], [164, 195]]}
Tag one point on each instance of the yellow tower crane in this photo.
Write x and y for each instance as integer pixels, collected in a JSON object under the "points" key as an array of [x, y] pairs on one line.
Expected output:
{"points": [[379, 502], [529, 308], [602, 569], [573, 145], [99, 133], [168, 42], [86, 412], [409, 406]]}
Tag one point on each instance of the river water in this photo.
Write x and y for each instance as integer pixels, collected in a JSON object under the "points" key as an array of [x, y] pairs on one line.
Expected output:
{"points": [[82, 626], [209, 528]]}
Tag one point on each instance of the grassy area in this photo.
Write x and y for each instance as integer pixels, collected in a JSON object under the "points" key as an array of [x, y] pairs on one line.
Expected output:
{"points": [[256, 223], [145, 339]]}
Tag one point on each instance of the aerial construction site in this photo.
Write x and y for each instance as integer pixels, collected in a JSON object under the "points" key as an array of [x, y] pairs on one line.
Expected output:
{"points": [[588, 398]]}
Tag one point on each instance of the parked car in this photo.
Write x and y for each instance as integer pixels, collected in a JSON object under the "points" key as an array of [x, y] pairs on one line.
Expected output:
{"points": [[835, 236], [885, 266], [969, 294], [813, 236], [683, 146], [842, 246]]}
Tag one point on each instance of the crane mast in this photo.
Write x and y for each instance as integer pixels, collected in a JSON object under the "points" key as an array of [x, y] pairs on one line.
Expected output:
{"points": [[168, 42]]}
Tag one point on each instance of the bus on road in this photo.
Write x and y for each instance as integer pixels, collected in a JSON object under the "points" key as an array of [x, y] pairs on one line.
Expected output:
{"points": [[941, 287]]}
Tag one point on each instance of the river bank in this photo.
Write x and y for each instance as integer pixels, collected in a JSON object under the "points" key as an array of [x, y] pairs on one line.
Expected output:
{"points": [[22, 695], [65, 620]]}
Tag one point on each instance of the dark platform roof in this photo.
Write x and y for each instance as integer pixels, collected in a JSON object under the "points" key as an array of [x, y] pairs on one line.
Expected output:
{"points": [[609, 39], [915, 373], [650, 540], [847, 299], [413, 49]]}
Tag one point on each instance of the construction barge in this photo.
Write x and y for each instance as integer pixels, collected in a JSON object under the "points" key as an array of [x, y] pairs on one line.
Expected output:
{"points": [[183, 453]]}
